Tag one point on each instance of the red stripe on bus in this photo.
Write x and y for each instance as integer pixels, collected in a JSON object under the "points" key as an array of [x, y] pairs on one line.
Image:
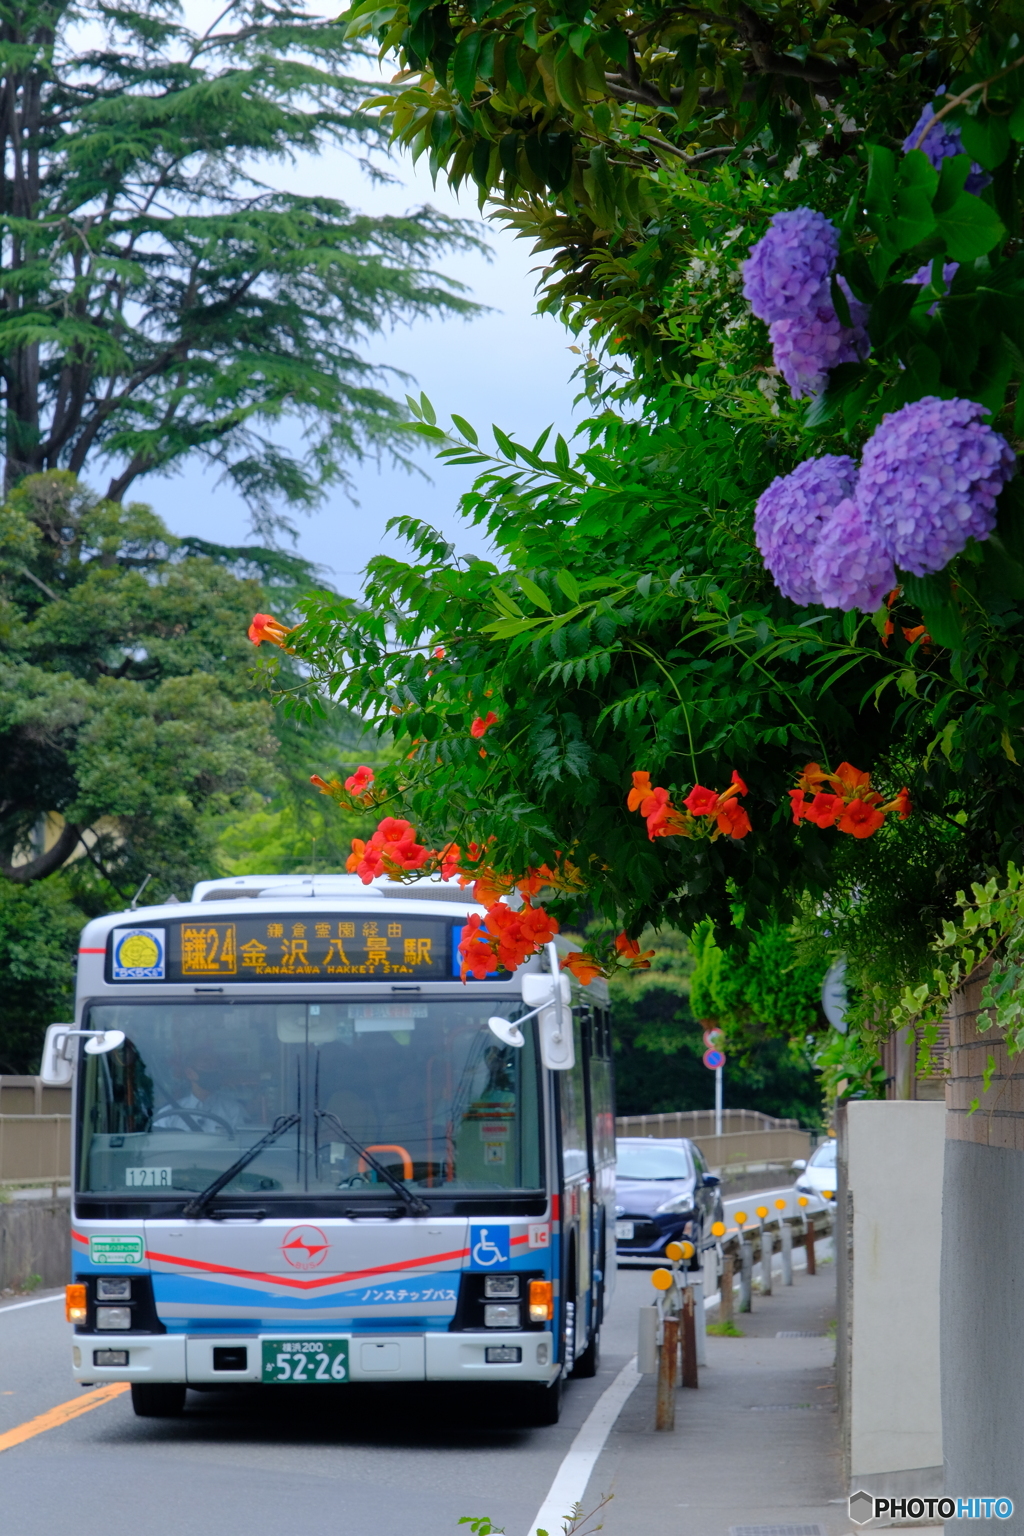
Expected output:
{"points": [[92, 951], [306, 1285]]}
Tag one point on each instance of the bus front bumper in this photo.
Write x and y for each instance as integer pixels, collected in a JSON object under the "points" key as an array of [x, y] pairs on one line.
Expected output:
{"points": [[372, 1357]]}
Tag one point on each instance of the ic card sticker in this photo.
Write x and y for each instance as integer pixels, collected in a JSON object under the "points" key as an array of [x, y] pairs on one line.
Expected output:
{"points": [[489, 1247], [140, 954], [540, 1234], [115, 1248]]}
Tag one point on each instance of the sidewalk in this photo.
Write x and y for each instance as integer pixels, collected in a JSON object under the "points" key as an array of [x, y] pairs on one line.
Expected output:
{"points": [[755, 1445]]}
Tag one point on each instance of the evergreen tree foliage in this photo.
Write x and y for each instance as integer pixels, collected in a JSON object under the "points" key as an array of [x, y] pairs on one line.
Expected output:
{"points": [[159, 299], [130, 730]]}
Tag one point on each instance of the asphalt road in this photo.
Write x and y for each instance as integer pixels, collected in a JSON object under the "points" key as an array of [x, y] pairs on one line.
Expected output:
{"points": [[359, 1461]]}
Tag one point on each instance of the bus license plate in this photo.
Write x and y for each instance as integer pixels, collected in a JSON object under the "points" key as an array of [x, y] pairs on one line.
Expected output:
{"points": [[305, 1361], [624, 1231]]}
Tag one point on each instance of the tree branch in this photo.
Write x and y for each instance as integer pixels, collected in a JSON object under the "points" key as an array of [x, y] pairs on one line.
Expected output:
{"points": [[46, 863]]}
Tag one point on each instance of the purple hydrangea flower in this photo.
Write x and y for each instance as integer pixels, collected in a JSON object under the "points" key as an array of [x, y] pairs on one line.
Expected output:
{"points": [[923, 275], [851, 563], [788, 270], [941, 142], [789, 518], [929, 479], [806, 346]]}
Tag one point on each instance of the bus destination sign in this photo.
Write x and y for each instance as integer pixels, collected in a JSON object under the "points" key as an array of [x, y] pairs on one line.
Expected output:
{"points": [[289, 947]]}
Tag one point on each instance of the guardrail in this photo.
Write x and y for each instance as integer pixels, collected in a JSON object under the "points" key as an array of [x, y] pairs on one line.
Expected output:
{"points": [[34, 1147], [700, 1122]]}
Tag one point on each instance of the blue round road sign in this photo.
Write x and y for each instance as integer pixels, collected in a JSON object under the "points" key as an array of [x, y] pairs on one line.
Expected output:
{"points": [[714, 1059]]}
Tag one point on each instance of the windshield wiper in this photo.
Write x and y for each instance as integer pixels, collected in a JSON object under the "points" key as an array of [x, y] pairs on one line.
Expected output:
{"points": [[199, 1204], [416, 1205]]}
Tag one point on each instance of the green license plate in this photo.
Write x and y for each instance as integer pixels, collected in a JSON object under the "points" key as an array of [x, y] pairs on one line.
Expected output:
{"points": [[305, 1361]]}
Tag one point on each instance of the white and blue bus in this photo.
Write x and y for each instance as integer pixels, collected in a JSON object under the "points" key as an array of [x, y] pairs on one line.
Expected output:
{"points": [[307, 1153]]}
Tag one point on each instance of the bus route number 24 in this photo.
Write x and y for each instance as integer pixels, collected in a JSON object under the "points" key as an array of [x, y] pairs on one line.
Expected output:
{"points": [[300, 1361]]}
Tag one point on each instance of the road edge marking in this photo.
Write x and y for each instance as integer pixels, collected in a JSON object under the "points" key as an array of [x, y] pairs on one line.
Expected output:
{"points": [[578, 1463], [62, 1414], [16, 1306]]}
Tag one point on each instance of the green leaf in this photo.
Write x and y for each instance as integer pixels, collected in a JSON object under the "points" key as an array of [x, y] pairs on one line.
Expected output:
{"points": [[464, 427], [953, 172], [986, 138], [970, 228], [880, 190], [569, 585], [464, 63], [536, 594]]}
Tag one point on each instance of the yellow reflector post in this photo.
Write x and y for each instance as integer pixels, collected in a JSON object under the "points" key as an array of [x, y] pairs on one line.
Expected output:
{"points": [[542, 1301], [718, 1229], [762, 1211], [661, 1279], [740, 1218], [674, 1251], [801, 1199], [75, 1303], [780, 1205], [688, 1250], [826, 1194]]}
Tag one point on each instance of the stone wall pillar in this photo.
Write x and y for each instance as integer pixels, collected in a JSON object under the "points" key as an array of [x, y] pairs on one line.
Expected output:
{"points": [[982, 1269]]}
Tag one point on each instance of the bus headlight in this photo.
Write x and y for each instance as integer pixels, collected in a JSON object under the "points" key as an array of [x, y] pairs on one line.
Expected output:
{"points": [[542, 1301], [499, 1314], [113, 1317]]}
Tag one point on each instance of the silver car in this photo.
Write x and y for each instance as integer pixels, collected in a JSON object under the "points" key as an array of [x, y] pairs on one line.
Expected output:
{"points": [[819, 1175]]}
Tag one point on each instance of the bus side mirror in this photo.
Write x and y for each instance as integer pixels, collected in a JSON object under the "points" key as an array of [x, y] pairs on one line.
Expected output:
{"points": [[554, 1018], [56, 1069]]}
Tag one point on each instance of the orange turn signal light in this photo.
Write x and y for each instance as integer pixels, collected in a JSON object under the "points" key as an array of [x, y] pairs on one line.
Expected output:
{"points": [[542, 1301], [76, 1304]]}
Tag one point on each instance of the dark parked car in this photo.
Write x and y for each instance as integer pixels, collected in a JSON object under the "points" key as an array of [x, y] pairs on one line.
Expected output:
{"points": [[664, 1193]]}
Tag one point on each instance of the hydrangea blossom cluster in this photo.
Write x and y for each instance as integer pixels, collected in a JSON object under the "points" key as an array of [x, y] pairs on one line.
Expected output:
{"points": [[807, 346], [790, 517], [928, 481], [790, 266], [942, 142], [851, 565], [786, 280]]}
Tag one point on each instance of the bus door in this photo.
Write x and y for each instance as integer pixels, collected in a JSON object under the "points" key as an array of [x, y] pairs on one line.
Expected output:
{"points": [[577, 1260], [601, 1123]]}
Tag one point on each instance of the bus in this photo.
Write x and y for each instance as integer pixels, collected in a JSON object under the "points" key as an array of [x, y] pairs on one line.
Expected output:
{"points": [[306, 1152]]}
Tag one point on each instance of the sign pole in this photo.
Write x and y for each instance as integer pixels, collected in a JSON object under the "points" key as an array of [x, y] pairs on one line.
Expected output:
{"points": [[718, 1100]]}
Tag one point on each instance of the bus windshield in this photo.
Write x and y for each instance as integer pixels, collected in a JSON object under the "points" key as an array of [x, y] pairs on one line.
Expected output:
{"points": [[422, 1085]]}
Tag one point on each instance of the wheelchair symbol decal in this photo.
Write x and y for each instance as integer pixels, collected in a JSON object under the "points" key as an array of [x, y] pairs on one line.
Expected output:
{"points": [[488, 1247]]}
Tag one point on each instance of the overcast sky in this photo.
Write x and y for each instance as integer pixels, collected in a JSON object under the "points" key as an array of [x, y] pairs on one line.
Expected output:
{"points": [[510, 366]]}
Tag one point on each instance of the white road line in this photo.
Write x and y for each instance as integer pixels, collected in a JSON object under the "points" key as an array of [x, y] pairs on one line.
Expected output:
{"points": [[16, 1306], [573, 1475]]}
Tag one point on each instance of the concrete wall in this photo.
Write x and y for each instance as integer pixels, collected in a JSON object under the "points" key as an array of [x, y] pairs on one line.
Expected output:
{"points": [[889, 1248], [983, 1270], [35, 1239], [34, 1147]]}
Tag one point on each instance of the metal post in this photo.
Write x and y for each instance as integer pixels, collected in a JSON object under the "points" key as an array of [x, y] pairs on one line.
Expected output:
{"points": [[665, 1411], [746, 1275], [766, 1260], [699, 1321], [725, 1297], [718, 1100], [647, 1341], [809, 1242], [787, 1253], [689, 1337]]}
